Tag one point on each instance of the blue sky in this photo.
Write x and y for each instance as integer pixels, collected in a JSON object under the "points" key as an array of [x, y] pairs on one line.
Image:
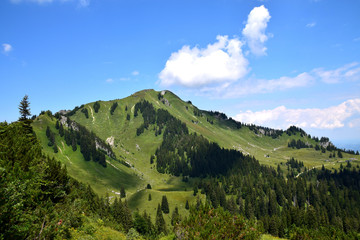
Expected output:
{"points": [[272, 63]]}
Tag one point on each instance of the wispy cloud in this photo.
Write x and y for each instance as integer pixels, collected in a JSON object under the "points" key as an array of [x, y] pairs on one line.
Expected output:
{"points": [[135, 73], [254, 31], [109, 80], [81, 3], [6, 48], [84, 3], [310, 25], [256, 86], [348, 72], [344, 114], [251, 86]]}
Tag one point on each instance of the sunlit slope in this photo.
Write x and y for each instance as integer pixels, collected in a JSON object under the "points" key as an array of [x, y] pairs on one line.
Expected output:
{"points": [[102, 180], [119, 130], [137, 149]]}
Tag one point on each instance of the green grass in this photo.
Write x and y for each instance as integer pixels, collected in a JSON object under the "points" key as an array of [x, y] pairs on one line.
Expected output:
{"points": [[269, 237], [103, 180], [137, 150]]}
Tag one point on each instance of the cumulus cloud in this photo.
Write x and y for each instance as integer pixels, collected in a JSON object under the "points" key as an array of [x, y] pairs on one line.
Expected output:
{"points": [[254, 30], [326, 118], [347, 72], [6, 48], [220, 62]]}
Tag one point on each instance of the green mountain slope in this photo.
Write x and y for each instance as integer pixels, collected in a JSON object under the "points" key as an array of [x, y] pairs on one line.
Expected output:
{"points": [[264, 148], [118, 127]]}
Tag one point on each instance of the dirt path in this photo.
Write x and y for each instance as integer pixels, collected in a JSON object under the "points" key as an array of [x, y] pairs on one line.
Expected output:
{"points": [[107, 161], [92, 114]]}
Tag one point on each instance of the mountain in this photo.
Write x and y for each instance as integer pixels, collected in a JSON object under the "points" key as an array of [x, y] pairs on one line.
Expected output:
{"points": [[153, 144]]}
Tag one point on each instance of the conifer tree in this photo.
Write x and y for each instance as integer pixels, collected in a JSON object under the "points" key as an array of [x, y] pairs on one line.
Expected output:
{"points": [[175, 218], [96, 106], [165, 204], [149, 198], [195, 190], [74, 145], [55, 148], [24, 108], [187, 205], [122, 192], [61, 130], [160, 222]]}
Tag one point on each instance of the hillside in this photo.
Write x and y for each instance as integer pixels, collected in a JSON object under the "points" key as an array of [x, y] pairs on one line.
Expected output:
{"points": [[133, 130], [120, 133]]}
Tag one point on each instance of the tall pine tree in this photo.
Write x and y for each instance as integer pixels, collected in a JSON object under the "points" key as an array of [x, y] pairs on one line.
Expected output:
{"points": [[160, 225], [165, 204], [24, 108]]}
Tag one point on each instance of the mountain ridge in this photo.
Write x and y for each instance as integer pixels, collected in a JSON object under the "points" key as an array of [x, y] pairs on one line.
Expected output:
{"points": [[115, 121]]}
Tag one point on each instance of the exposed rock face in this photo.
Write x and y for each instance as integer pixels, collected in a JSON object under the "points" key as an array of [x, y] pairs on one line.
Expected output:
{"points": [[166, 102], [110, 141]]}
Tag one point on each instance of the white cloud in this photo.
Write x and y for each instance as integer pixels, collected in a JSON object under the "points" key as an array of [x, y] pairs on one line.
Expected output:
{"points": [[310, 25], [109, 80], [255, 86], [81, 3], [7, 48], [135, 73], [220, 62], [35, 1], [84, 3], [326, 118], [347, 72], [254, 30]]}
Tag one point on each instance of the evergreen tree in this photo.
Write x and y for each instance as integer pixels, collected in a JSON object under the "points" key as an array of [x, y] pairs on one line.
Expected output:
{"points": [[175, 217], [340, 154], [96, 106], [149, 198], [122, 192], [165, 204], [48, 131], [61, 130], [57, 125], [55, 148], [24, 108], [195, 190], [160, 225], [73, 145], [113, 107], [187, 205]]}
